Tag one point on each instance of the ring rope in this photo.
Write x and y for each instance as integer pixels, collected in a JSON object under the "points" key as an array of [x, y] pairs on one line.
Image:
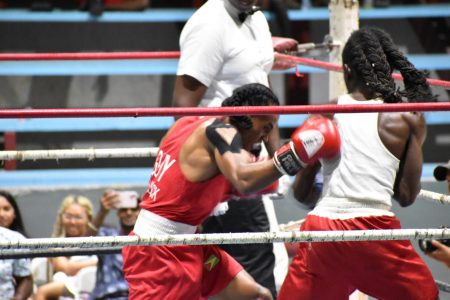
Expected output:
{"points": [[434, 197], [337, 68], [443, 286], [18, 190], [55, 252], [227, 238], [90, 154], [211, 111], [174, 55], [90, 55]]}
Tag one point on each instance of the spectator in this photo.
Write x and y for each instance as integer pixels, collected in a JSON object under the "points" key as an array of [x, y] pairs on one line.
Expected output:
{"points": [[10, 216], [73, 220], [442, 252], [224, 45], [16, 281], [381, 160], [110, 282]]}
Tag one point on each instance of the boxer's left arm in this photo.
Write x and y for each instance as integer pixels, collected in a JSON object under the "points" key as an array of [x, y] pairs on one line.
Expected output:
{"points": [[235, 163], [317, 138]]}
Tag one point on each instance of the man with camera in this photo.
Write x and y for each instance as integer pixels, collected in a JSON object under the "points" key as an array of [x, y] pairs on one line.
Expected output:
{"points": [[441, 250]]}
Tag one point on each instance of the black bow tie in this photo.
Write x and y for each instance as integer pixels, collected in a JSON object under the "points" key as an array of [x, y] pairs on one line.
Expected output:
{"points": [[243, 15]]}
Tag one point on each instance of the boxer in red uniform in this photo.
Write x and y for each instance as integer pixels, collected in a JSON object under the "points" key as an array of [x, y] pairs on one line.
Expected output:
{"points": [[197, 161]]}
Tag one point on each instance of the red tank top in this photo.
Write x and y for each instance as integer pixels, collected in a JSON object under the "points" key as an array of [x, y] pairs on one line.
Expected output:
{"points": [[169, 193]]}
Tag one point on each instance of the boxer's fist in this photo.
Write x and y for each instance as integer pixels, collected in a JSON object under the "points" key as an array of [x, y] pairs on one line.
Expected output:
{"points": [[317, 138]]}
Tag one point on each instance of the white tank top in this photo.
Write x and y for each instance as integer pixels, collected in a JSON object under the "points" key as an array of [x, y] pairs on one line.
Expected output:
{"points": [[361, 182]]}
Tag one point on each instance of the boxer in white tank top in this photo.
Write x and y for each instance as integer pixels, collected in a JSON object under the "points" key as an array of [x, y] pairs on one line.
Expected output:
{"points": [[380, 161]]}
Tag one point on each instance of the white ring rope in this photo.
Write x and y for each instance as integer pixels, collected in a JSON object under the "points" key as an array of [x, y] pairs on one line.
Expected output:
{"points": [[55, 252], [227, 238], [20, 191], [90, 153], [443, 286], [434, 197]]}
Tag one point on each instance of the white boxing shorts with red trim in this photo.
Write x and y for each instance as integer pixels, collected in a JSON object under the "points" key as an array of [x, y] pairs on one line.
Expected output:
{"points": [[333, 270], [177, 272]]}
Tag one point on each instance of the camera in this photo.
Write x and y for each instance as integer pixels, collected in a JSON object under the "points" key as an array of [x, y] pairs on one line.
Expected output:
{"points": [[127, 199], [426, 246]]}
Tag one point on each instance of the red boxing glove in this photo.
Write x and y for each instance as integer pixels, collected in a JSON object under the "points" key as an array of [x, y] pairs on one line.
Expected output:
{"points": [[317, 138]]}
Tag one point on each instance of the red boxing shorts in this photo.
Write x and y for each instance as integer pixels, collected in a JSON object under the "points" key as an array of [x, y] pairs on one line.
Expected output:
{"points": [[177, 272], [333, 270]]}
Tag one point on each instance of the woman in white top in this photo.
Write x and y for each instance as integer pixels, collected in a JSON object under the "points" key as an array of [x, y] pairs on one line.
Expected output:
{"points": [[16, 281], [73, 220]]}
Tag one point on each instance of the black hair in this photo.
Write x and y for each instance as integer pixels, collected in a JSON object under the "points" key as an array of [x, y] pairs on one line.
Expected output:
{"points": [[17, 224], [372, 56], [252, 94]]}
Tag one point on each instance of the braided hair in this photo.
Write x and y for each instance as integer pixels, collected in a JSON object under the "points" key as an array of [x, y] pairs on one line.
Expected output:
{"points": [[372, 56], [253, 94]]}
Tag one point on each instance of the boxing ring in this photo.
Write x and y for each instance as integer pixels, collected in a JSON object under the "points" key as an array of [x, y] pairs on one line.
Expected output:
{"points": [[50, 247], [28, 247]]}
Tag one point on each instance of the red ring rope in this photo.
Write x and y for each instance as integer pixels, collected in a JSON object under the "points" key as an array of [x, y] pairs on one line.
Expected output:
{"points": [[205, 111], [174, 55], [89, 55], [334, 67]]}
